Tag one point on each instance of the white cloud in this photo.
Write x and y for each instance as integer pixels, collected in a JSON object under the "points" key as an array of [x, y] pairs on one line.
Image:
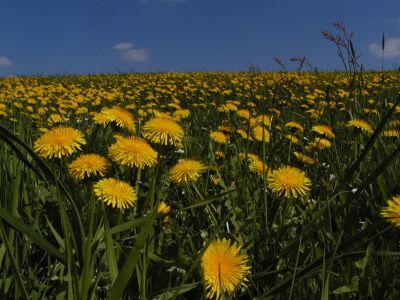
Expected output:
{"points": [[130, 53], [123, 46], [138, 55], [5, 62], [394, 20], [392, 48]]}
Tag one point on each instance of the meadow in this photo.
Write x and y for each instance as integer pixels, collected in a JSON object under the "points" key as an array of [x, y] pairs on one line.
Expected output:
{"points": [[248, 185]]}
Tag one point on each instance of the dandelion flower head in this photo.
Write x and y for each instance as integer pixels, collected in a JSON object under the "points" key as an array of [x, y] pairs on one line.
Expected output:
{"points": [[59, 142], [186, 170], [133, 152], [224, 268], [392, 211], [289, 181], [87, 165], [115, 193], [163, 131]]}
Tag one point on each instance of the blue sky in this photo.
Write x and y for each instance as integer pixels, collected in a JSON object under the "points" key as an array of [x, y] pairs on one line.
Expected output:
{"points": [[94, 36]]}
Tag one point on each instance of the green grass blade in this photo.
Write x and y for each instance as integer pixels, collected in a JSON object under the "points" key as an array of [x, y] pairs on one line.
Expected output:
{"points": [[129, 266], [33, 235], [111, 258], [20, 281], [128, 225]]}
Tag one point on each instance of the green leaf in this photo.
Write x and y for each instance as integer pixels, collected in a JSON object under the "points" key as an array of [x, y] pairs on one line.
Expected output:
{"points": [[128, 225], [170, 293], [111, 258], [20, 281], [129, 266], [33, 235], [350, 288]]}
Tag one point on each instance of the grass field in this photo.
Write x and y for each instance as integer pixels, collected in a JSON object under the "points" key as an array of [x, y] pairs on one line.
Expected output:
{"points": [[247, 185]]}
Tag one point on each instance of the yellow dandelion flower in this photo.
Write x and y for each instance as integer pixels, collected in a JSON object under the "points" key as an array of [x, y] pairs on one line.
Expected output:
{"points": [[275, 111], [244, 134], [227, 107], [304, 158], [392, 211], [243, 113], [186, 170], [56, 118], [120, 116], [219, 154], [115, 193], [289, 181], [261, 134], [101, 118], [59, 142], [87, 165], [133, 152], [218, 137], [323, 130], [181, 113], [294, 125], [320, 144], [394, 123], [163, 131], [360, 124], [225, 129], [391, 133], [250, 156], [294, 139], [216, 180], [224, 268], [163, 209], [256, 166], [264, 120]]}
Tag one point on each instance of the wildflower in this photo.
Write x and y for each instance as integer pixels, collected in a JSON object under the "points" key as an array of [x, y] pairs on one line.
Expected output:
{"points": [[115, 193], [256, 166], [289, 181], [219, 154], [186, 170], [323, 130], [87, 165], [360, 124], [320, 144], [249, 156], [292, 138], [392, 211], [59, 142], [224, 268], [120, 116], [133, 152], [216, 180], [294, 125], [261, 134], [163, 209], [181, 113], [243, 113], [264, 120], [163, 131], [391, 133], [244, 134], [219, 137], [225, 129], [304, 158]]}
